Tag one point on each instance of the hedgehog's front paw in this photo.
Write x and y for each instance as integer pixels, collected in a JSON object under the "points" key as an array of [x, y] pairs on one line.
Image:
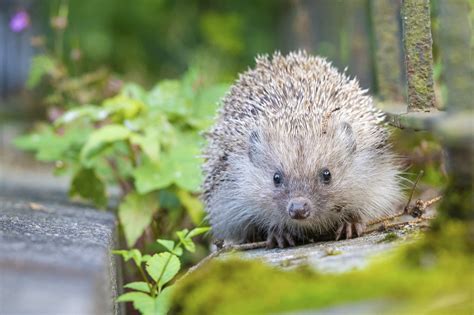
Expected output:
{"points": [[280, 238], [350, 230]]}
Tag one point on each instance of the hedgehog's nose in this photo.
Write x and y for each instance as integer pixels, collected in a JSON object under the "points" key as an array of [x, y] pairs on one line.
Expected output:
{"points": [[299, 208]]}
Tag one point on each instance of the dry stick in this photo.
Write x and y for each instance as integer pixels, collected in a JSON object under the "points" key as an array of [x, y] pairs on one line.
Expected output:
{"points": [[420, 206], [418, 209], [396, 215], [384, 227]]}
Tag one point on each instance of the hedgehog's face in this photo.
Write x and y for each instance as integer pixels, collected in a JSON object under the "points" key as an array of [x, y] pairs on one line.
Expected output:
{"points": [[303, 174], [301, 197]]}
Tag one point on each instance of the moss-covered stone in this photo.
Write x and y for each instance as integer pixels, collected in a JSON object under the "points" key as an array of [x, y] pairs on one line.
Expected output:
{"points": [[390, 237], [418, 54], [427, 277]]}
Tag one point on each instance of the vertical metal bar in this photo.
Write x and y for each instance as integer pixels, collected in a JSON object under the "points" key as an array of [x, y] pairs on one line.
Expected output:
{"points": [[418, 42]]}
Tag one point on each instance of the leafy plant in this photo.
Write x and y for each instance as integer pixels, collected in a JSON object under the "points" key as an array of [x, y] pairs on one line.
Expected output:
{"points": [[146, 143], [152, 295]]}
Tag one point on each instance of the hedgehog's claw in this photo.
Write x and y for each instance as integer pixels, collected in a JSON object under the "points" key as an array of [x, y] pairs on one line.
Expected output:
{"points": [[280, 239], [350, 229]]}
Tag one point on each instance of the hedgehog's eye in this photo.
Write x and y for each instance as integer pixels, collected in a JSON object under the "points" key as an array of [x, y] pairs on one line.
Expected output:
{"points": [[277, 179], [325, 175]]}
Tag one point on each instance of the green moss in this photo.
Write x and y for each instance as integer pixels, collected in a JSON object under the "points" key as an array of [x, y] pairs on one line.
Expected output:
{"points": [[427, 277], [418, 55], [390, 237]]}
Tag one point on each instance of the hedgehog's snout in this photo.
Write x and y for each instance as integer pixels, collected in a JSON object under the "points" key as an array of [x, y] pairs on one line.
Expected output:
{"points": [[299, 208]]}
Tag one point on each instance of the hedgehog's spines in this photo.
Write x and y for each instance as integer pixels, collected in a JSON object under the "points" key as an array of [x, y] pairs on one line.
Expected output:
{"points": [[288, 98]]}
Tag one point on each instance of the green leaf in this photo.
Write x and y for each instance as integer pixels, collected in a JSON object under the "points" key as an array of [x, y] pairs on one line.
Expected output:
{"points": [[122, 107], [193, 205], [88, 185], [40, 66], [146, 304], [91, 112], [149, 143], [163, 301], [48, 146], [186, 241], [138, 286], [181, 165], [178, 251], [163, 267], [101, 138], [186, 161], [51, 146], [135, 214], [167, 96], [205, 106], [152, 176], [198, 231], [169, 245], [134, 91], [141, 301], [134, 254]]}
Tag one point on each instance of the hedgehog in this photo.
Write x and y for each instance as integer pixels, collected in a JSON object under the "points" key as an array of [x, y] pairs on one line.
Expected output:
{"points": [[298, 153]]}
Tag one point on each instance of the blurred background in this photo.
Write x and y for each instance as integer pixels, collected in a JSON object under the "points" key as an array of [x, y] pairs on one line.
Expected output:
{"points": [[151, 40], [160, 62]]}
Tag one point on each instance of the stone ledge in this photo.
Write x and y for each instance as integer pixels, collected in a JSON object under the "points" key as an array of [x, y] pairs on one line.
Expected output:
{"points": [[330, 256], [54, 255]]}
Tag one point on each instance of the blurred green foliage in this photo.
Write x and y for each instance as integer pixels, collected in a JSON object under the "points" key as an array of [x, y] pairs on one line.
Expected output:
{"points": [[145, 142], [420, 151], [153, 39]]}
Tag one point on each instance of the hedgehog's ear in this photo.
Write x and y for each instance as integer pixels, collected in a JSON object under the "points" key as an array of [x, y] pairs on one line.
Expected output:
{"points": [[255, 147], [347, 135]]}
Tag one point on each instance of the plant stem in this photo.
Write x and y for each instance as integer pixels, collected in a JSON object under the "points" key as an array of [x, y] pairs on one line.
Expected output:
{"points": [[133, 158], [125, 186], [140, 269], [413, 190]]}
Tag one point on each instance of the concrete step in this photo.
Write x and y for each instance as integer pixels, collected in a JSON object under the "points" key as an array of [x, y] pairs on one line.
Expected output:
{"points": [[54, 255]]}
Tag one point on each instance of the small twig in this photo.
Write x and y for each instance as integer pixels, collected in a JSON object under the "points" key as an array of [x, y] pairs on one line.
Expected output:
{"points": [[395, 225], [416, 211], [224, 249], [391, 217], [432, 201], [420, 174], [420, 206]]}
